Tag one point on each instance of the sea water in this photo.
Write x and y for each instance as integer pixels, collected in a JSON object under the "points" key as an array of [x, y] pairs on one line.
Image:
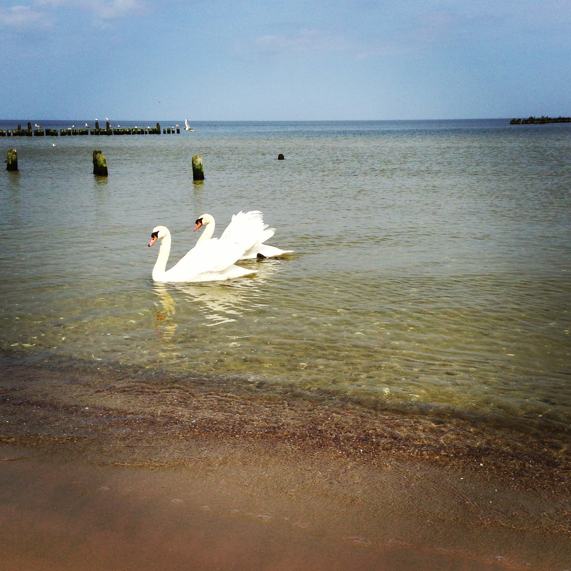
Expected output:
{"points": [[431, 269]]}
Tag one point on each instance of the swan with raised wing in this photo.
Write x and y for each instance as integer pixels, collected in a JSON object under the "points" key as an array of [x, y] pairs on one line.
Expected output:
{"points": [[246, 230], [206, 262]]}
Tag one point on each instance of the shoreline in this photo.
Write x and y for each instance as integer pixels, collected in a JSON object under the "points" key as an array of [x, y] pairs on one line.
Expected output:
{"points": [[111, 398], [305, 479]]}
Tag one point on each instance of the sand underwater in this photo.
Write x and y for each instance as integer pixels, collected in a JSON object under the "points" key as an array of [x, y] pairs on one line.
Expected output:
{"points": [[97, 473]]}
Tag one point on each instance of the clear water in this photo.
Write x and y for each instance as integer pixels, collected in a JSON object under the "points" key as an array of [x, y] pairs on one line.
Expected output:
{"points": [[432, 266]]}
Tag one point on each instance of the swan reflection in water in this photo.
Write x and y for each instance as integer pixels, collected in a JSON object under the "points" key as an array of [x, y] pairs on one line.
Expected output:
{"points": [[218, 302]]}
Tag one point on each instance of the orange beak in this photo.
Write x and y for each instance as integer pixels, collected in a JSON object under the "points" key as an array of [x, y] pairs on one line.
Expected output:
{"points": [[152, 241], [197, 226]]}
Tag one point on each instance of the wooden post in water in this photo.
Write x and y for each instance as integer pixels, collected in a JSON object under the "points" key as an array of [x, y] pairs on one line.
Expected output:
{"points": [[158, 127], [281, 157], [12, 160], [197, 168], [99, 164]]}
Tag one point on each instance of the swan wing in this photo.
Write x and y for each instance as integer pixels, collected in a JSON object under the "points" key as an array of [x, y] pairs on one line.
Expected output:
{"points": [[209, 257], [247, 229]]}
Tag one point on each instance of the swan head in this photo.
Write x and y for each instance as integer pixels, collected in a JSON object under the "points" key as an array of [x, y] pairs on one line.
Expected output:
{"points": [[202, 220], [158, 233]]}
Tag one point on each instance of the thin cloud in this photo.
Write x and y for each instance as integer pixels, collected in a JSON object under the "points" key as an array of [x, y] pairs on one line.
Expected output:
{"points": [[20, 17], [303, 41], [52, 3], [381, 51], [43, 13], [113, 9], [420, 32]]}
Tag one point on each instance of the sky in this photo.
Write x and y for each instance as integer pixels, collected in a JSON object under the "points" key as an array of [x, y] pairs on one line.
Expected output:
{"points": [[284, 60]]}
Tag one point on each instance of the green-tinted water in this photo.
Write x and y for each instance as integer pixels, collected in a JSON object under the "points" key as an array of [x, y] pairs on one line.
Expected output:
{"points": [[432, 263]]}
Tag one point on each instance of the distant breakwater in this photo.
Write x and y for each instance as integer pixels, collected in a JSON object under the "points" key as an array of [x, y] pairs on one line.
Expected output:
{"points": [[38, 131], [540, 120]]}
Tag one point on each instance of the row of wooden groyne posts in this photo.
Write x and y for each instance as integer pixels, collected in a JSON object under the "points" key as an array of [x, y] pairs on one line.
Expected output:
{"points": [[37, 131], [100, 164]]}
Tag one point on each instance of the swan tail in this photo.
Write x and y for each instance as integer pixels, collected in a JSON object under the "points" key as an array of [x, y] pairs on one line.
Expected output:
{"points": [[272, 252], [261, 251]]}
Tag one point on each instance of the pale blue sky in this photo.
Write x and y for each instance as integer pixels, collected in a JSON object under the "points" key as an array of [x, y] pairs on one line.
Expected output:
{"points": [[287, 59]]}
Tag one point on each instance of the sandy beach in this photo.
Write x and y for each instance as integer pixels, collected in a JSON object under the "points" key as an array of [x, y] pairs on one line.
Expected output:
{"points": [[97, 476]]}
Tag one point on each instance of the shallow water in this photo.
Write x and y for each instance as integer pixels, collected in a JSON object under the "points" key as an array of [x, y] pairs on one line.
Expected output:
{"points": [[431, 268]]}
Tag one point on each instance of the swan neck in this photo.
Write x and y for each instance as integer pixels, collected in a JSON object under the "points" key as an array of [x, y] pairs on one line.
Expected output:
{"points": [[208, 232], [161, 264]]}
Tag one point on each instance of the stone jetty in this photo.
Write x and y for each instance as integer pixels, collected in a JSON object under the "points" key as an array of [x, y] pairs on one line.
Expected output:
{"points": [[540, 120], [72, 131]]}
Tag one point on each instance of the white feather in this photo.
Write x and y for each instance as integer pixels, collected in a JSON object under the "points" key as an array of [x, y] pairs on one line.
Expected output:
{"points": [[248, 232]]}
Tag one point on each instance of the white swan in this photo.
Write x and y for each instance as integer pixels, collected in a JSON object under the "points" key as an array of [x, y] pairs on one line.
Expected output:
{"points": [[206, 262], [246, 230]]}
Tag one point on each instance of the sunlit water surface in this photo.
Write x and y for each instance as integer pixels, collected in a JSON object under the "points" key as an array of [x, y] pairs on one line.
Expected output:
{"points": [[432, 265]]}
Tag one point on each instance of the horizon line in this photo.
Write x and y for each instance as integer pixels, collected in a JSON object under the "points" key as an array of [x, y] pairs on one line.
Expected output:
{"points": [[83, 119]]}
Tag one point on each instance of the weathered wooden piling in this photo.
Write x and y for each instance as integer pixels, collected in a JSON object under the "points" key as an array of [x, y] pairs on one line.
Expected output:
{"points": [[99, 164], [281, 157], [12, 160], [197, 168]]}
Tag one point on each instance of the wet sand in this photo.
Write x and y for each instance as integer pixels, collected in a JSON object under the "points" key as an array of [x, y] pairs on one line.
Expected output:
{"points": [[115, 469]]}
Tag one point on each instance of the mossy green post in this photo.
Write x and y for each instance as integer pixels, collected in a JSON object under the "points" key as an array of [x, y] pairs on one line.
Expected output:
{"points": [[197, 168], [99, 164], [12, 160]]}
